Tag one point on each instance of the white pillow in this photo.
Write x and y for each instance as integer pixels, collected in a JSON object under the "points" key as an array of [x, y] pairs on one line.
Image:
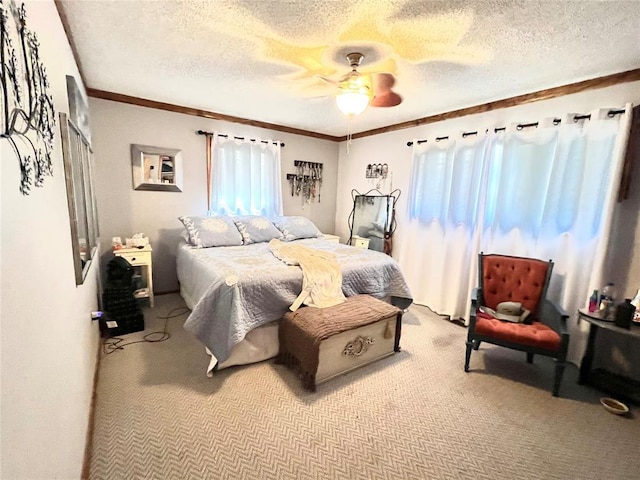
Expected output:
{"points": [[216, 231], [256, 229], [295, 227]]}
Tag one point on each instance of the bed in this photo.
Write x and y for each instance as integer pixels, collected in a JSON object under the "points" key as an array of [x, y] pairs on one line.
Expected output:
{"points": [[238, 293]]}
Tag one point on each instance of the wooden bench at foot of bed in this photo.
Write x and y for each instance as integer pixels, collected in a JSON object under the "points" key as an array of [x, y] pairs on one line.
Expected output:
{"points": [[322, 343]]}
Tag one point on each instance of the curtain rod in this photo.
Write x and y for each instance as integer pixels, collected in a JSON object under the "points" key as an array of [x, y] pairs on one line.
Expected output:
{"points": [[520, 126], [202, 132]]}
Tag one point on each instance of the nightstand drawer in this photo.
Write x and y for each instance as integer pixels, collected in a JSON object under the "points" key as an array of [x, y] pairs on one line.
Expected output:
{"points": [[136, 258], [360, 242]]}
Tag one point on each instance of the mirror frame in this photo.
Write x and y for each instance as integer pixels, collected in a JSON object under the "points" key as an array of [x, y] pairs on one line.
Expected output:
{"points": [[137, 170], [390, 224], [83, 215]]}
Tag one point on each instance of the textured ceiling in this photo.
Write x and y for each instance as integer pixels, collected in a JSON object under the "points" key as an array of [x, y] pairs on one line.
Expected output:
{"points": [[263, 59]]}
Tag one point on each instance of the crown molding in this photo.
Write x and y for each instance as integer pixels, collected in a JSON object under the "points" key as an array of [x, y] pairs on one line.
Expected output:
{"points": [[594, 83], [591, 84], [143, 102]]}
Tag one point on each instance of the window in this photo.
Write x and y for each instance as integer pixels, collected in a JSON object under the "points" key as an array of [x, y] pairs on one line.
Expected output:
{"points": [[245, 177]]}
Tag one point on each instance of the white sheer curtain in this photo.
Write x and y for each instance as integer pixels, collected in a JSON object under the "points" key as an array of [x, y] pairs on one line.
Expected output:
{"points": [[441, 234], [546, 192], [245, 177], [550, 194]]}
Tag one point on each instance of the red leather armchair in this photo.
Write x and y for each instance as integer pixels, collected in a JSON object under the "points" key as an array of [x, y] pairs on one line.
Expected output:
{"points": [[504, 278]]}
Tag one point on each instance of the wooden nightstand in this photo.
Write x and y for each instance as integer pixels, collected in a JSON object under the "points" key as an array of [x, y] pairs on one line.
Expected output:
{"points": [[331, 238], [140, 257], [360, 242]]}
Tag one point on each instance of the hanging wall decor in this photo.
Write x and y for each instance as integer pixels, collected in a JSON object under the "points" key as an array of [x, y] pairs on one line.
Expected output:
{"points": [[377, 170], [27, 116], [307, 181]]}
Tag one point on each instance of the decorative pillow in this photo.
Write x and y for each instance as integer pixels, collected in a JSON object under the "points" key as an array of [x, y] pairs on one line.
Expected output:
{"points": [[217, 231], [294, 228], [256, 229]]}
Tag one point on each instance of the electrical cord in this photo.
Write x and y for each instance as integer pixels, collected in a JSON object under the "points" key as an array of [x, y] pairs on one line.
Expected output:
{"points": [[113, 344]]}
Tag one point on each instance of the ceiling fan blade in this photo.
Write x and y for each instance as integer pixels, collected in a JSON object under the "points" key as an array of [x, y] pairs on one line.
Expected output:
{"points": [[390, 99], [378, 86], [383, 95], [327, 80]]}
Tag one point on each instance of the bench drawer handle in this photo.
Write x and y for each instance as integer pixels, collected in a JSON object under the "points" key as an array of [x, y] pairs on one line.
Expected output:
{"points": [[357, 347]]}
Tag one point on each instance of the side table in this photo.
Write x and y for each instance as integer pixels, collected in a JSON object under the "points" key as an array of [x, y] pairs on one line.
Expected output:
{"points": [[360, 242], [600, 378], [331, 238], [140, 257]]}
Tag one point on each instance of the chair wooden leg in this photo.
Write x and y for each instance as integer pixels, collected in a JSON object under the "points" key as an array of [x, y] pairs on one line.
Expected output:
{"points": [[558, 378], [529, 357], [476, 344], [467, 355]]}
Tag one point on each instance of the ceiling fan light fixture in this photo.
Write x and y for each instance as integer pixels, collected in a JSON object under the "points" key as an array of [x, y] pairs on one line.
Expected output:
{"points": [[352, 103], [354, 95]]}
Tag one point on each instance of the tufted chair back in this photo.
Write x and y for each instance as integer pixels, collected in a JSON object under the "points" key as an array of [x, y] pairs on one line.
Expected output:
{"points": [[504, 278]]}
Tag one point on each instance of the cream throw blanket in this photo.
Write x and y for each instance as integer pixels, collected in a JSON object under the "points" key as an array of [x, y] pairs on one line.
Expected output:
{"points": [[321, 274]]}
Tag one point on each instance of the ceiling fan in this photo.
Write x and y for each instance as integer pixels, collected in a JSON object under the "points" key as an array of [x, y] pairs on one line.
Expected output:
{"points": [[357, 91]]}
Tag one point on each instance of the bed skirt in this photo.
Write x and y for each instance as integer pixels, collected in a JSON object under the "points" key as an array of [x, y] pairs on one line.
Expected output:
{"points": [[259, 344]]}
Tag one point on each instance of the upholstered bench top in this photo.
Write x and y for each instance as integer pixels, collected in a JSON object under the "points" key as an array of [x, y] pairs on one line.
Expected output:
{"points": [[317, 324], [301, 332]]}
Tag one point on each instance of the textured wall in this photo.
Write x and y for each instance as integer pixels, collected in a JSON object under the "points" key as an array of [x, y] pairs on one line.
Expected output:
{"points": [[391, 148], [124, 211], [49, 343]]}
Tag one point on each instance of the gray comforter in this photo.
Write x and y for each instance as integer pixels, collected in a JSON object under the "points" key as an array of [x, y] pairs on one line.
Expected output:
{"points": [[232, 290]]}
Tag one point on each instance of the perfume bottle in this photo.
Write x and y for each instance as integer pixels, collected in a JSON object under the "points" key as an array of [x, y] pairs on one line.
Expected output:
{"points": [[607, 298], [608, 292], [593, 301]]}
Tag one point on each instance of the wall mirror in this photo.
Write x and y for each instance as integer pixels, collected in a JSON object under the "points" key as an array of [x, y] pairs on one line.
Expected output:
{"points": [[156, 168], [83, 217], [373, 218]]}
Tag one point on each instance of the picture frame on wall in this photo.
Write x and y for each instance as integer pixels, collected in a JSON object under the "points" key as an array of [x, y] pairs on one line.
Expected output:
{"points": [[78, 108], [156, 168]]}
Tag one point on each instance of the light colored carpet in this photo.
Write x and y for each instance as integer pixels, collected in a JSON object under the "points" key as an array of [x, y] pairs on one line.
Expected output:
{"points": [[415, 415]]}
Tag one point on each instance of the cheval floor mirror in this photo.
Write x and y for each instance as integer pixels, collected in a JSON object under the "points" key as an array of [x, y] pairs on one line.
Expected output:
{"points": [[373, 218]]}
